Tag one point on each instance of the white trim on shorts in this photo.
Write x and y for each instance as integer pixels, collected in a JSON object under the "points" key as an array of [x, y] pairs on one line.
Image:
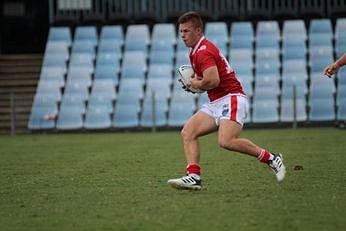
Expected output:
{"points": [[231, 107]]}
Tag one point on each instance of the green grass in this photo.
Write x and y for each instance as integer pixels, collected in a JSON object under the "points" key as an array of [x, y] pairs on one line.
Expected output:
{"points": [[118, 181]]}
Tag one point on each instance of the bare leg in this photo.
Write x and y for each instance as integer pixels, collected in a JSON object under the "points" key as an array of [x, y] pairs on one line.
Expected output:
{"points": [[199, 124], [229, 132]]}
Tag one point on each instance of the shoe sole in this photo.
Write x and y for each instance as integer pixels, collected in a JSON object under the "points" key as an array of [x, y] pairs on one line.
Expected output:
{"points": [[183, 187]]}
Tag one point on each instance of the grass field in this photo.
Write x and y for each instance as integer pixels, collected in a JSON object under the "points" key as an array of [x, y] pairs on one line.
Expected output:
{"points": [[117, 181]]}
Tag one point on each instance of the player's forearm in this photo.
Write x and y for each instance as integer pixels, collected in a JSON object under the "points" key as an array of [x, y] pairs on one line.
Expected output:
{"points": [[341, 61]]}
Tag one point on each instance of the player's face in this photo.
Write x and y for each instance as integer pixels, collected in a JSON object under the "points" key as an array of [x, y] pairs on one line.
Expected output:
{"points": [[189, 34]]}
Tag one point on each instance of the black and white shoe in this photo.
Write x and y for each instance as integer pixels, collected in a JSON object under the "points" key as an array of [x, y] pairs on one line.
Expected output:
{"points": [[186, 182], [278, 167]]}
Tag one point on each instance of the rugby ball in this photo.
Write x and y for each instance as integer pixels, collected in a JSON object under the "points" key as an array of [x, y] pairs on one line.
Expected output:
{"points": [[186, 72]]}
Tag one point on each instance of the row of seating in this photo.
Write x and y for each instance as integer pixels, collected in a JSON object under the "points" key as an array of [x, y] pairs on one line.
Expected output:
{"points": [[115, 74]]}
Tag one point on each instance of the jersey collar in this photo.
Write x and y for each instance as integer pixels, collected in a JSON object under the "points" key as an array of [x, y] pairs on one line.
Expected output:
{"points": [[197, 45]]}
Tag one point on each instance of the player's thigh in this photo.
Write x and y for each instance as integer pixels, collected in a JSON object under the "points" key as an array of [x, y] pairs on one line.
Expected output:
{"points": [[228, 130], [199, 124]]}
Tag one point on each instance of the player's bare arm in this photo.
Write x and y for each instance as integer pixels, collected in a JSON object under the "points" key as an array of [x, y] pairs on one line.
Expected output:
{"points": [[209, 80], [331, 69]]}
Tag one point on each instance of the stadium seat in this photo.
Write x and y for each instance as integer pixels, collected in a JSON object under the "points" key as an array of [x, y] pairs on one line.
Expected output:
{"points": [[287, 110], [104, 86], [97, 118], [69, 118], [86, 33], [217, 33], [341, 109], [75, 101], [125, 116], [164, 32], [107, 71], [80, 74], [241, 35], [160, 87], [321, 110], [340, 36], [265, 111], [77, 87], [101, 100], [132, 72], [112, 33], [294, 28], [179, 114], [57, 48], [49, 87], [137, 38], [341, 76], [134, 58], [37, 119], [161, 57], [83, 47], [60, 34], [161, 108]]}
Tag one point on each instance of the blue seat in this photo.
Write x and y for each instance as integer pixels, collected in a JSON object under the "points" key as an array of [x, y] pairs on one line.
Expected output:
{"points": [[161, 107], [61, 34], [265, 111], [164, 32], [341, 108], [57, 48], [107, 71], [287, 92], [49, 87], [268, 68], [125, 116], [340, 37], [110, 46], [55, 60], [104, 86], [268, 28], [111, 58], [294, 29], [163, 71], [161, 57], [133, 72], [113, 33], [341, 76], [78, 88], [37, 119], [75, 101], [179, 114], [287, 110], [321, 26], [321, 109], [69, 118], [97, 118], [134, 58], [80, 74], [131, 86], [101, 100], [217, 30], [242, 29], [84, 47], [294, 53], [181, 58], [137, 38], [160, 87], [86, 33]]}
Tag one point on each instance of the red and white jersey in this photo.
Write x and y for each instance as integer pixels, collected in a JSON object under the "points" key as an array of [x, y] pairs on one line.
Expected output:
{"points": [[205, 54]]}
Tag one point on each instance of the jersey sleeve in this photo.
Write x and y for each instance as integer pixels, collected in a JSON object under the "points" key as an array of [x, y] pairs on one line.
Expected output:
{"points": [[205, 59]]}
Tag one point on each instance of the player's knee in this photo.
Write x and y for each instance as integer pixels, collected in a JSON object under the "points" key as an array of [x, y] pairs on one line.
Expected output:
{"points": [[227, 143], [186, 133]]}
